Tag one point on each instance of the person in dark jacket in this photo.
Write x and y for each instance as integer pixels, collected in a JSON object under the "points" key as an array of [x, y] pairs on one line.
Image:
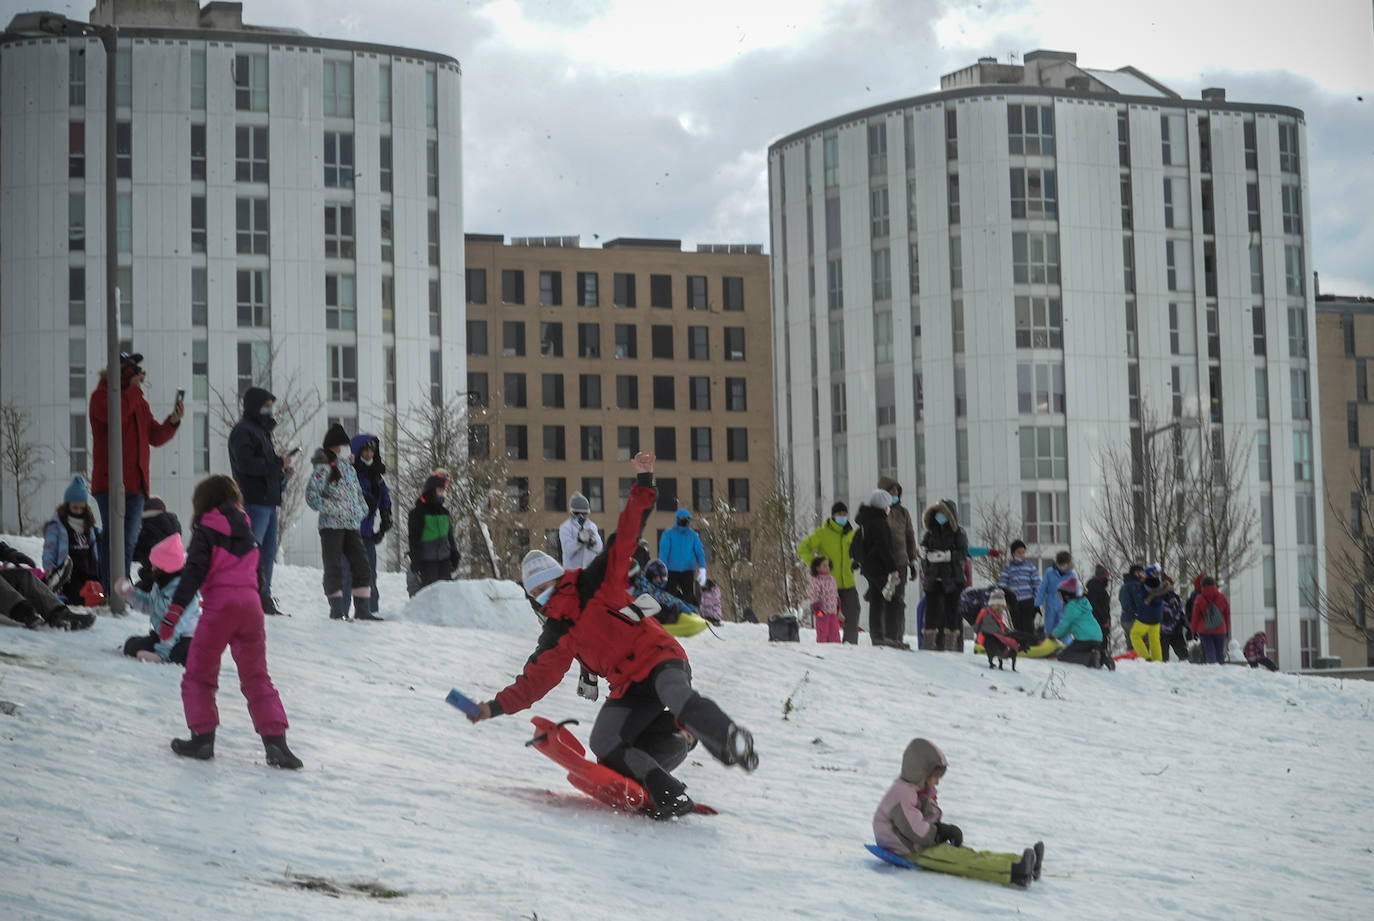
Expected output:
{"points": [[1131, 596], [904, 550], [433, 549], [158, 525], [1097, 592], [1149, 614], [25, 600], [371, 470], [945, 546], [877, 563], [1173, 626], [261, 474]]}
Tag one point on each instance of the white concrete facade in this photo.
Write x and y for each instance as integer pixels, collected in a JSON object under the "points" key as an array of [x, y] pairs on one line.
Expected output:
{"points": [[181, 82], [964, 440]]}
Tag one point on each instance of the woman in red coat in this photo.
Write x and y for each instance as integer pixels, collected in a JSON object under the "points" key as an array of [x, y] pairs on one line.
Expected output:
{"points": [[592, 617], [140, 433]]}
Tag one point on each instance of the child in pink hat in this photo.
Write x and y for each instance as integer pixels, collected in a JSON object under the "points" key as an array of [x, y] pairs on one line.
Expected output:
{"points": [[168, 558]]}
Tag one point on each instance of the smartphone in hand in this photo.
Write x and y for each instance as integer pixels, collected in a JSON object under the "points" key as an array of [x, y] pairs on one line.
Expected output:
{"points": [[181, 397]]}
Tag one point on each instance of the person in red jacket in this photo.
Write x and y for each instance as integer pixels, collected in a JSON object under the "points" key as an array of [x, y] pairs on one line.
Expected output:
{"points": [[140, 432], [1212, 627], [598, 622]]}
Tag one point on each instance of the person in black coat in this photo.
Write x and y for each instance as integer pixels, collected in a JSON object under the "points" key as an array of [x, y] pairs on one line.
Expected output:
{"points": [[877, 562], [261, 474], [158, 525], [945, 548]]}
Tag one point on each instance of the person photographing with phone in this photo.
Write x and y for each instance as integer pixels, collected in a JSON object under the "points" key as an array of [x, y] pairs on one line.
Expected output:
{"points": [[261, 474]]}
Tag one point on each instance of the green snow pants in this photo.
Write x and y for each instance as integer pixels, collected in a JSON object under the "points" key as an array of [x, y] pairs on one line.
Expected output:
{"points": [[989, 866]]}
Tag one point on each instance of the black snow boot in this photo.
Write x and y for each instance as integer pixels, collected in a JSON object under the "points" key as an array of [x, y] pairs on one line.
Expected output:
{"points": [[64, 618], [362, 612], [278, 755], [739, 748], [1023, 871], [668, 794], [338, 608], [23, 613], [200, 746], [1039, 858]]}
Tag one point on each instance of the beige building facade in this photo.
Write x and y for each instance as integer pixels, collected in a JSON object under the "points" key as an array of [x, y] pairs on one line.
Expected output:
{"points": [[579, 357], [1345, 351]]}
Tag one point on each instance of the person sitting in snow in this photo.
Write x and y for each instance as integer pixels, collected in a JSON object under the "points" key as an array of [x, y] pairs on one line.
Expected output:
{"points": [[1079, 628], [27, 600], [653, 581], [158, 525], [908, 823], [597, 621], [70, 558], [1255, 652], [166, 561]]}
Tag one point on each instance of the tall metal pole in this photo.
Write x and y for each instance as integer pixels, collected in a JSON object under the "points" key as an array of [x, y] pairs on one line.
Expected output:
{"points": [[109, 38]]}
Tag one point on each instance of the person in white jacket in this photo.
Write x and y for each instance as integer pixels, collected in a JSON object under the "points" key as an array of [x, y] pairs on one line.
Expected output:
{"points": [[578, 537]]}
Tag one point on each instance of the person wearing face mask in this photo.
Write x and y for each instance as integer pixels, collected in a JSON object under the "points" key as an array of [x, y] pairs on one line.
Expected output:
{"points": [[371, 470], [945, 548], [591, 616], [578, 538], [433, 549], [140, 432], [261, 474], [904, 551], [69, 543], [681, 551], [833, 540], [333, 491]]}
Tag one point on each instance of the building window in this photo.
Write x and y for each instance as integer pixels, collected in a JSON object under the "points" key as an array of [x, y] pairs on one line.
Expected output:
{"points": [[591, 442], [1123, 139], [340, 302], [702, 499], [124, 222], [738, 488], [479, 442], [1039, 323], [432, 169], [251, 221], [252, 299], [879, 223], [625, 341], [595, 491], [1044, 453], [200, 297], [589, 340], [954, 199], [732, 291], [1040, 387], [1033, 193], [1301, 395], [198, 153], [254, 365], [387, 235], [338, 160], [434, 237], [124, 150], [587, 290], [882, 337], [1292, 271], [699, 394], [198, 224], [626, 442], [479, 390], [1035, 258], [734, 343], [1178, 265], [1262, 452], [338, 89], [250, 82], [1127, 221], [76, 221], [1256, 270], [76, 75], [1045, 517], [384, 165], [1173, 144], [667, 494], [1176, 207], [1352, 424], [76, 443], [517, 487], [76, 150], [626, 393], [877, 149], [836, 341], [661, 291], [1128, 265], [1297, 332], [698, 343], [661, 342], [839, 408], [477, 337], [551, 340], [384, 92], [513, 391], [1302, 457], [200, 425], [475, 284], [956, 263], [1292, 209], [1030, 129], [701, 443], [624, 290], [554, 446], [200, 369], [1252, 206], [1261, 394], [1182, 335], [589, 391], [1288, 147], [696, 292], [512, 286], [76, 368], [885, 396], [338, 231], [431, 99], [517, 444], [665, 442], [737, 444], [832, 161], [198, 79], [834, 283], [1213, 333], [250, 153], [343, 373], [663, 393], [124, 77], [512, 339], [882, 274], [736, 394]]}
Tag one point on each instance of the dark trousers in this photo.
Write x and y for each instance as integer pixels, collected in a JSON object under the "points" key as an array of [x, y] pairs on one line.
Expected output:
{"points": [[148, 643], [427, 573], [1023, 616], [1214, 647], [1266, 662], [1082, 652], [133, 523], [335, 544], [684, 585], [19, 585], [942, 610], [849, 609], [370, 546], [1176, 642]]}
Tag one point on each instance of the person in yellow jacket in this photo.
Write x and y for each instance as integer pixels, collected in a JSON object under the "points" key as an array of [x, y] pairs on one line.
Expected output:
{"points": [[832, 540]]}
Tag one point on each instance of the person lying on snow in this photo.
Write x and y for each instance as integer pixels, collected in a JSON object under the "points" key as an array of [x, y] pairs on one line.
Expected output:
{"points": [[909, 824], [598, 622]]}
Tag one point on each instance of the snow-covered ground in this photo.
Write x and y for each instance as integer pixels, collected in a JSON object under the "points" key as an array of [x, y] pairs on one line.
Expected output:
{"points": [[1161, 791]]}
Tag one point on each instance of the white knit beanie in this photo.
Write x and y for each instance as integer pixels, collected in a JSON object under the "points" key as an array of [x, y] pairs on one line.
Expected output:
{"points": [[537, 568], [880, 499]]}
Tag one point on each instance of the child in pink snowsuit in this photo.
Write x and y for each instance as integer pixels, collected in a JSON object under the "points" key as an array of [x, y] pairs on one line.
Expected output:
{"points": [[223, 565], [825, 601]]}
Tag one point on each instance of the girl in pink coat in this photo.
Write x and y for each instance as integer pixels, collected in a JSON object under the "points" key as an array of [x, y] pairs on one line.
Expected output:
{"points": [[825, 601], [908, 824], [222, 564]]}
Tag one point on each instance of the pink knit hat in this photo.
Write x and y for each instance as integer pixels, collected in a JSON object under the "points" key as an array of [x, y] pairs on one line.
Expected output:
{"points": [[168, 554]]}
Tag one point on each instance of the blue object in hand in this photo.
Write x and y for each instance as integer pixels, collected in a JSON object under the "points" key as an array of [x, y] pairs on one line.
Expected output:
{"points": [[463, 702]]}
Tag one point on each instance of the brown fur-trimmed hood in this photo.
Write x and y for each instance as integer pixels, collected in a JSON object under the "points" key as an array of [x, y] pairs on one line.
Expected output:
{"points": [[928, 516]]}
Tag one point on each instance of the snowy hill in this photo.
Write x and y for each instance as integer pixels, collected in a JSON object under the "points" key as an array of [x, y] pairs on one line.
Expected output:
{"points": [[1166, 791]]}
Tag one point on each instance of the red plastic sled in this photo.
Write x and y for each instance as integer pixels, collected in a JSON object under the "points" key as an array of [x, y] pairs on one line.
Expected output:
{"points": [[555, 741]]}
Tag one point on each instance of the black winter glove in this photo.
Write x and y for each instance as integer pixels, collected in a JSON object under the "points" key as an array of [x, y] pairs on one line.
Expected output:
{"points": [[914, 574], [948, 834], [386, 524], [15, 557], [854, 566]]}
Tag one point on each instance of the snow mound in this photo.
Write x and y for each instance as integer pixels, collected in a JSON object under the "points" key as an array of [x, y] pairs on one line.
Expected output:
{"points": [[482, 604]]}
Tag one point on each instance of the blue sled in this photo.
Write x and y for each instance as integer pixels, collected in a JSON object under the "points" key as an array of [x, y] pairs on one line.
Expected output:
{"points": [[887, 856], [463, 702]]}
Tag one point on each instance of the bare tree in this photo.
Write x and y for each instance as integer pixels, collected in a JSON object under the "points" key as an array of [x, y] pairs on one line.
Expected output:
{"points": [[726, 538], [297, 410], [1223, 533], [21, 456], [778, 534], [998, 526], [1349, 566]]}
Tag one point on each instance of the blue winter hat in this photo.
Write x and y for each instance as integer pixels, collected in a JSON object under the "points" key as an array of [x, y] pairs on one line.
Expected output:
{"points": [[78, 491], [683, 513]]}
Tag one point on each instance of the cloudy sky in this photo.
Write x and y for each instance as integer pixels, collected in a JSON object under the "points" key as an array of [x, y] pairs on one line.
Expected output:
{"points": [[653, 117]]}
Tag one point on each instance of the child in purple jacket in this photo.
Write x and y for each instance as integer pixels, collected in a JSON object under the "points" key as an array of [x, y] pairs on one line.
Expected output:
{"points": [[223, 565], [908, 824]]}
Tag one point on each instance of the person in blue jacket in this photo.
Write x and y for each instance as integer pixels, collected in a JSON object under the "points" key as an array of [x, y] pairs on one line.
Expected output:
{"points": [[1079, 629], [681, 551], [1047, 598], [371, 470]]}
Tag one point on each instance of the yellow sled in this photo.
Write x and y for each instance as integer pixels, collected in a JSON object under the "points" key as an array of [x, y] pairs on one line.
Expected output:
{"points": [[1040, 650], [687, 625]]}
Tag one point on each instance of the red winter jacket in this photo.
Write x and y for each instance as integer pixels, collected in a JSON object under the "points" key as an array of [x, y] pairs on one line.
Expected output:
{"points": [[623, 648], [141, 432], [1211, 595]]}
